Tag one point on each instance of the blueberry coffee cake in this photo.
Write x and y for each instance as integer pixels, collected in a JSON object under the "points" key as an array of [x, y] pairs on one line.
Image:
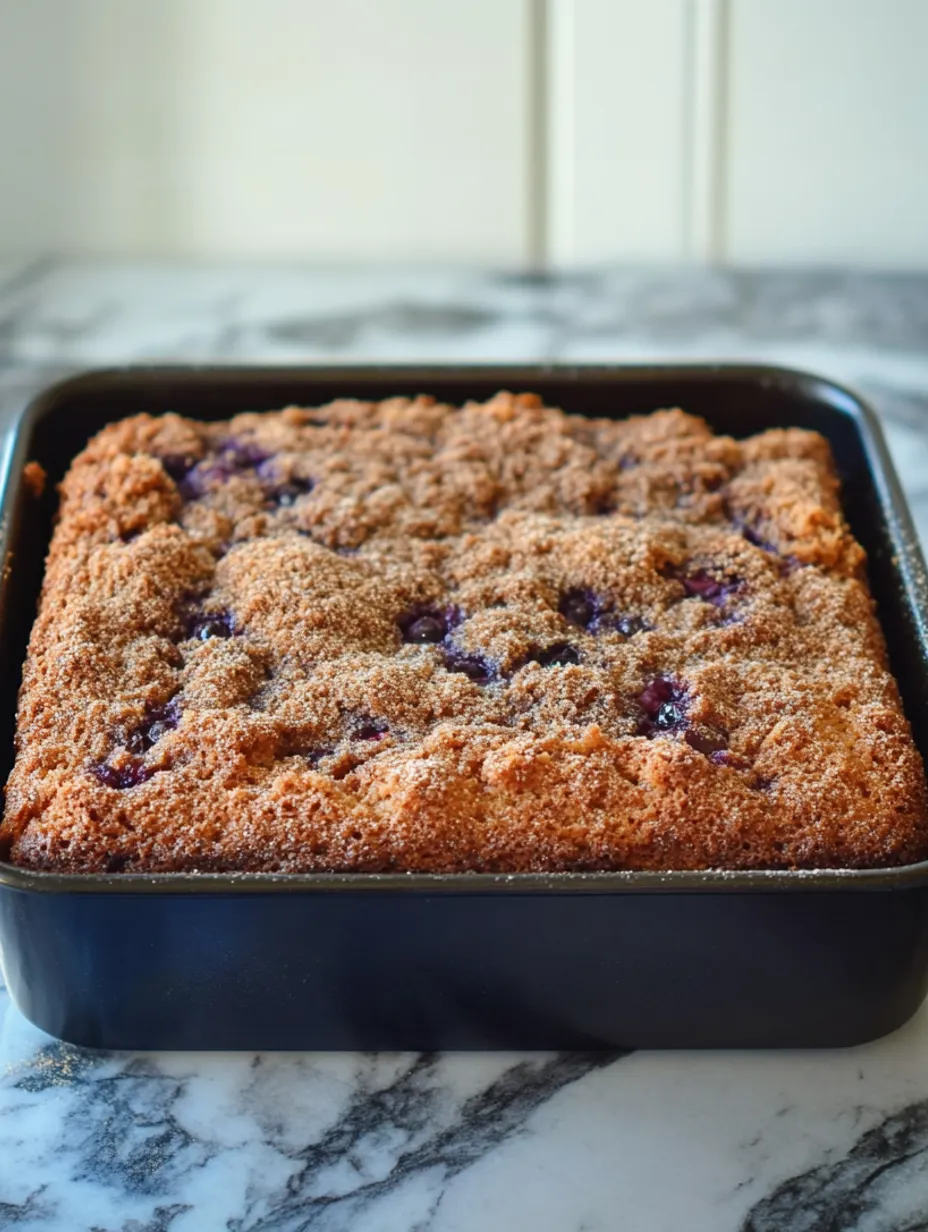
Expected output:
{"points": [[410, 636]]}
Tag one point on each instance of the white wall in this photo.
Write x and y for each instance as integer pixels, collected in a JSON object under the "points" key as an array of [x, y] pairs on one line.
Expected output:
{"points": [[330, 128], [827, 152], [506, 131]]}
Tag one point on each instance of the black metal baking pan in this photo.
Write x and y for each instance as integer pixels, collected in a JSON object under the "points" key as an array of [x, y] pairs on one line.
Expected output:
{"points": [[365, 961]]}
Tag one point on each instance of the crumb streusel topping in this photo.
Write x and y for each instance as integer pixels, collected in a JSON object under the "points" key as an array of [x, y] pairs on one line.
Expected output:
{"points": [[497, 637]]}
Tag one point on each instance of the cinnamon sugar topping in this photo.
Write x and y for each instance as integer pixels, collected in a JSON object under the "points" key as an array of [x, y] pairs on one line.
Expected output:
{"points": [[402, 635]]}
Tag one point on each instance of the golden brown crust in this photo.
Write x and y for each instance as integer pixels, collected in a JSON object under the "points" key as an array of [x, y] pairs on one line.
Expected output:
{"points": [[409, 636]]}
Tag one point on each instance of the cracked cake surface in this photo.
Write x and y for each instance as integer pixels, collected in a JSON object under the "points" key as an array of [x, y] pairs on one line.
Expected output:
{"points": [[409, 636]]}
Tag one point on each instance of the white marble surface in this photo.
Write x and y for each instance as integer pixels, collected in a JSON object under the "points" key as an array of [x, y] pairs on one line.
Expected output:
{"points": [[761, 1142]]}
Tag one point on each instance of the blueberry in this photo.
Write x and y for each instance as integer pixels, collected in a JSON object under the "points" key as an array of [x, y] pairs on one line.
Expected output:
{"points": [[282, 493], [701, 586], [589, 611], [286, 494], [656, 694], [664, 704], [370, 729], [427, 627], [178, 465], [669, 717], [423, 625], [628, 626], [156, 724], [474, 667], [561, 654], [579, 606], [203, 625], [131, 775]]}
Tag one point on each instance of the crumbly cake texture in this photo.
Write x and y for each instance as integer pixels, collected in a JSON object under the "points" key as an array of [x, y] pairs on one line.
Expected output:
{"points": [[409, 636]]}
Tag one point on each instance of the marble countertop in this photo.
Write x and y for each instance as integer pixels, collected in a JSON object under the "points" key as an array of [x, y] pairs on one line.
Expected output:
{"points": [[709, 1142]]}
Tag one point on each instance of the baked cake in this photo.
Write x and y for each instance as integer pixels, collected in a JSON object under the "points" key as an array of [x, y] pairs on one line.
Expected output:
{"points": [[408, 636]]}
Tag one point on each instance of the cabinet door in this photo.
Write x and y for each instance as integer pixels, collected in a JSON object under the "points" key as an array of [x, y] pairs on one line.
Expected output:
{"points": [[827, 132], [349, 129], [617, 129]]}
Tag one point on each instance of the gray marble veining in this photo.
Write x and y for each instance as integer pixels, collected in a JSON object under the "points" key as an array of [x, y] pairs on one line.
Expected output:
{"points": [[761, 1142]]}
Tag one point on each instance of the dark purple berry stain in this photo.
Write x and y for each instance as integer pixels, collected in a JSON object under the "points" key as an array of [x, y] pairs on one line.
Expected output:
{"points": [[560, 654], [724, 757], [474, 667], [589, 611], [702, 585], [727, 619], [369, 729], [788, 564], [284, 495], [156, 724], [121, 778], [198, 481], [579, 606], [281, 493], [757, 540], [664, 704], [241, 455], [233, 457], [295, 744], [628, 626], [178, 465]]}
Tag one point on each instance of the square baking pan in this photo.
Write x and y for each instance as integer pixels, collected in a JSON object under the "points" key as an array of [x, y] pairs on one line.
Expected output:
{"points": [[365, 961]]}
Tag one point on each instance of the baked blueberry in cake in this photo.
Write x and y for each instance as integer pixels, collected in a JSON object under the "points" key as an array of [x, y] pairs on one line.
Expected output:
{"points": [[410, 636]]}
